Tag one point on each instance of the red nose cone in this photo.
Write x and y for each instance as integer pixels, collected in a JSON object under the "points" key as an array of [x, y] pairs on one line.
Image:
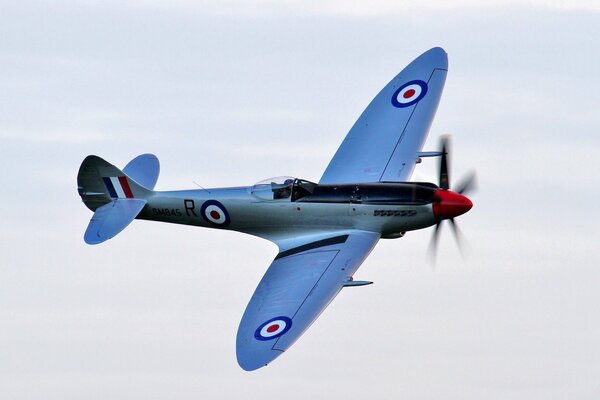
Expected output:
{"points": [[447, 204]]}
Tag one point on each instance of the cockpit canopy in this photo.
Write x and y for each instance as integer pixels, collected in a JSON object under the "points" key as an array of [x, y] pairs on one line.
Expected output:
{"points": [[282, 188], [286, 188]]}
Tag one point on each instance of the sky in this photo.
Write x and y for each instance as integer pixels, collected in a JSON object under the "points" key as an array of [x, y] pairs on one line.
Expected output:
{"points": [[230, 93]]}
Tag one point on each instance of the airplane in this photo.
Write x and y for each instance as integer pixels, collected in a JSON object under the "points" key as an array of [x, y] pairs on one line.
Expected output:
{"points": [[324, 230]]}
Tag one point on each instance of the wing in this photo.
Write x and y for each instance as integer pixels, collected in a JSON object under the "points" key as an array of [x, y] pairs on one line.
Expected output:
{"points": [[296, 288], [384, 142]]}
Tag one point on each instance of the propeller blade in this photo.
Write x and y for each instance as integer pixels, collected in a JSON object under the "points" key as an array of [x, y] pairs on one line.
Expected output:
{"points": [[457, 235], [433, 244], [444, 178], [467, 184]]}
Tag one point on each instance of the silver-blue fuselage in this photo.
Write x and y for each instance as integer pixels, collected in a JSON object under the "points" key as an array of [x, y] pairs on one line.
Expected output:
{"points": [[282, 218]]}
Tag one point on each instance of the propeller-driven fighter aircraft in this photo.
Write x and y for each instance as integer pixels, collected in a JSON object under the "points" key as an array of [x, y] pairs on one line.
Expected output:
{"points": [[324, 230]]}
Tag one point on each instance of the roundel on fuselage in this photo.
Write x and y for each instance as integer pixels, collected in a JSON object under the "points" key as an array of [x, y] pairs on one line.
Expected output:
{"points": [[215, 213]]}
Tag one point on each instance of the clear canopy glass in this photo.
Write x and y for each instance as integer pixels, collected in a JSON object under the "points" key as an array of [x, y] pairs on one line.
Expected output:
{"points": [[278, 188]]}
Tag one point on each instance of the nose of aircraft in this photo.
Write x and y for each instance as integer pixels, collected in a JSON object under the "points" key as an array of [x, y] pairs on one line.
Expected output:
{"points": [[447, 204]]}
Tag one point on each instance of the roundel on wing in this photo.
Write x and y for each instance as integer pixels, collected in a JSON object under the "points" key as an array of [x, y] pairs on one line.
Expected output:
{"points": [[273, 328], [215, 213], [409, 94]]}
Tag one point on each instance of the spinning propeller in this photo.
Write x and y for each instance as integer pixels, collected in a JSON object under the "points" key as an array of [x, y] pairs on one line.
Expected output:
{"points": [[448, 204]]}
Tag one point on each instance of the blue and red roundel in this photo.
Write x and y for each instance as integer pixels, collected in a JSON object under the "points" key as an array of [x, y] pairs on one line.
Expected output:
{"points": [[215, 213], [273, 328], [409, 94]]}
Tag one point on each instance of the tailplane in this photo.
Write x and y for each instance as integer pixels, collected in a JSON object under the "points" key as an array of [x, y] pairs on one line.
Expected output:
{"points": [[144, 170], [114, 196]]}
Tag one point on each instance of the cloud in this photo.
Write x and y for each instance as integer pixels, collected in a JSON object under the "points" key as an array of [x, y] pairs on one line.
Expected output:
{"points": [[225, 99], [358, 8], [44, 136]]}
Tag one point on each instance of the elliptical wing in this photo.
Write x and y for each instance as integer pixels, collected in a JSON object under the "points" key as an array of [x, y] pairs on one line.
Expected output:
{"points": [[384, 142], [296, 288]]}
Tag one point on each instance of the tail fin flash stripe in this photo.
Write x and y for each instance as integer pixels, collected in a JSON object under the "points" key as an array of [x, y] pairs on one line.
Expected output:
{"points": [[110, 187], [125, 186], [117, 186]]}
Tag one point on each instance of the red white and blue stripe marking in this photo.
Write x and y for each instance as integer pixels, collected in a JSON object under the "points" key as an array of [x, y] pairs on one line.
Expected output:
{"points": [[118, 187], [409, 93], [273, 328]]}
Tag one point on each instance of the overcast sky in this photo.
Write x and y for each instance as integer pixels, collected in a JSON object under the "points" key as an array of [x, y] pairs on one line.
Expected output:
{"points": [[230, 93]]}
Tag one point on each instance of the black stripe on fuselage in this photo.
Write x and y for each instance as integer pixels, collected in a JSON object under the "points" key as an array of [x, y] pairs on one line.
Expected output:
{"points": [[313, 245], [380, 193]]}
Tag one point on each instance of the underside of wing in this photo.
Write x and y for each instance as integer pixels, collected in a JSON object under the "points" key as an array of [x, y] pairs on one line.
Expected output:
{"points": [[384, 142], [296, 288]]}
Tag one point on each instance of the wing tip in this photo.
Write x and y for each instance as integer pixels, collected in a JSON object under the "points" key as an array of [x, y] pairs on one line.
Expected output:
{"points": [[251, 361], [250, 367], [435, 56], [253, 354], [93, 238]]}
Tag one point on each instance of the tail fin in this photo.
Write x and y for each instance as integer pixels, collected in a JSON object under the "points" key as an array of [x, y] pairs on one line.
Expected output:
{"points": [[115, 198]]}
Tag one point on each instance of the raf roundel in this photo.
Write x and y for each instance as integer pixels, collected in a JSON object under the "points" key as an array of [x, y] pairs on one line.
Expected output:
{"points": [[215, 213], [409, 94], [273, 328]]}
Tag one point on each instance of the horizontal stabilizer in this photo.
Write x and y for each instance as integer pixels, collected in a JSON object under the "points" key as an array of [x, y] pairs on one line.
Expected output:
{"points": [[112, 218], [143, 169]]}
